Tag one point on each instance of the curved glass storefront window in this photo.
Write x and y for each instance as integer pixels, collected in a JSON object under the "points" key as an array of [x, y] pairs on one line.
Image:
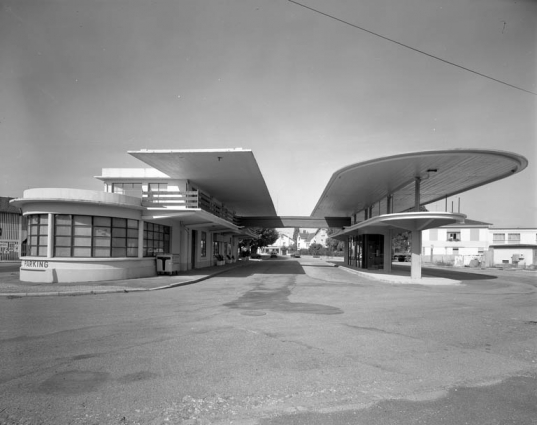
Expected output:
{"points": [[37, 235], [94, 236], [156, 239]]}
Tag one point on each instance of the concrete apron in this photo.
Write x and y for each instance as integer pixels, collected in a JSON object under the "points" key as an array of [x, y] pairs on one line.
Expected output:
{"points": [[394, 277]]}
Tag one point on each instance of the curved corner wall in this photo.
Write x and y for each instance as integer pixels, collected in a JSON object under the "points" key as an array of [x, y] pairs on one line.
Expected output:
{"points": [[83, 236], [71, 270]]}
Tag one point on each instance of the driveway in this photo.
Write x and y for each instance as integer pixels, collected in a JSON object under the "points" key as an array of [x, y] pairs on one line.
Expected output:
{"points": [[275, 342]]}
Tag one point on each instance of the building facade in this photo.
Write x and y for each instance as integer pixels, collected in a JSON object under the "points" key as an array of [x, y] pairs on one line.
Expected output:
{"points": [[189, 208], [145, 220], [470, 240], [12, 231]]}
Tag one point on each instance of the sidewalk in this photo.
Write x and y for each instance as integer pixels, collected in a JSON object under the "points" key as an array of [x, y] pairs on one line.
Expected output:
{"points": [[11, 287]]}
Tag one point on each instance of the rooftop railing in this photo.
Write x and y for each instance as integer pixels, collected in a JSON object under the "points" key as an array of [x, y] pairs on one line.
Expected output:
{"points": [[187, 200]]}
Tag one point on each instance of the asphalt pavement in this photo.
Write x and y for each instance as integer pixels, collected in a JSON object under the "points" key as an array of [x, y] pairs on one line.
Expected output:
{"points": [[11, 286], [275, 342]]}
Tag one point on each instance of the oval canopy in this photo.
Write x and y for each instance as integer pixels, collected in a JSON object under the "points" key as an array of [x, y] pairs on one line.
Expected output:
{"points": [[442, 174]]}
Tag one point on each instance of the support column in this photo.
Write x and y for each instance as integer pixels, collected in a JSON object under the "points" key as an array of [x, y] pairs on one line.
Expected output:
{"points": [[50, 236], [346, 250], [388, 251], [417, 187], [389, 204], [183, 250], [415, 265], [141, 225]]}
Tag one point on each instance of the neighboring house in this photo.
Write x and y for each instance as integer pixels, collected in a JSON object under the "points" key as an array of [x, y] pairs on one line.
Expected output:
{"points": [[281, 245], [320, 237], [305, 239], [516, 246], [462, 243], [11, 231], [470, 238]]}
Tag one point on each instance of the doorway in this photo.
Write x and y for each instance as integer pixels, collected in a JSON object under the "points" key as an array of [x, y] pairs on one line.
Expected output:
{"points": [[373, 252], [193, 251]]}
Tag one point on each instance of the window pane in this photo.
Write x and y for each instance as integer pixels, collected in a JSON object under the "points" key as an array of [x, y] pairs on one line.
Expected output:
{"points": [[82, 220], [118, 242], [63, 219], [43, 230], [149, 226], [132, 252], [63, 241], [33, 219], [101, 252], [82, 241], [132, 233], [101, 242], [102, 231], [43, 241], [101, 221], [81, 252], [32, 230], [82, 231], [119, 232], [132, 243], [63, 231], [33, 240], [119, 252], [117, 187], [133, 224], [43, 218], [119, 222], [33, 250], [62, 252]]}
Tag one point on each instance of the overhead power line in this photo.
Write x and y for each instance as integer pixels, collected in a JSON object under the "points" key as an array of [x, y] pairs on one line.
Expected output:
{"points": [[410, 47]]}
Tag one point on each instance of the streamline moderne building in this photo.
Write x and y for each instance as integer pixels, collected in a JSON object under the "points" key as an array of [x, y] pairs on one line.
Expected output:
{"points": [[185, 203], [195, 204]]}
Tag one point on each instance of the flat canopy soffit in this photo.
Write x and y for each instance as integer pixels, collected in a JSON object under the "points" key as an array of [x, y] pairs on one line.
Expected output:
{"points": [[230, 175], [442, 174]]}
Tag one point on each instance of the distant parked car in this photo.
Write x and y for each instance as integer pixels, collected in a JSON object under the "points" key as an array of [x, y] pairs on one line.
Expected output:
{"points": [[296, 255], [401, 257], [273, 255]]}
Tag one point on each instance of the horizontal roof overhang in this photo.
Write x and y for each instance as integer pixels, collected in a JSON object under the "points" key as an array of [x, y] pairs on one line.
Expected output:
{"points": [[230, 175], [412, 221], [442, 174], [76, 196], [194, 218], [308, 222], [515, 246]]}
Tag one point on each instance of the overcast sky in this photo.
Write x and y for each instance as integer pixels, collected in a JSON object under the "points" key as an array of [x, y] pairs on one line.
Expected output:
{"points": [[83, 81]]}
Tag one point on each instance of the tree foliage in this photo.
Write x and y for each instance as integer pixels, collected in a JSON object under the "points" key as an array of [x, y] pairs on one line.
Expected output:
{"points": [[315, 249], [267, 236], [401, 242], [333, 244]]}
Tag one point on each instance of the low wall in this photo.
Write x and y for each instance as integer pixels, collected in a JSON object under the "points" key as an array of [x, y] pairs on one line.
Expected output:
{"points": [[71, 270], [453, 260]]}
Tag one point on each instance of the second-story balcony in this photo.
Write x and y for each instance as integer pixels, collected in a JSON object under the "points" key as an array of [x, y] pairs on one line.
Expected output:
{"points": [[187, 200]]}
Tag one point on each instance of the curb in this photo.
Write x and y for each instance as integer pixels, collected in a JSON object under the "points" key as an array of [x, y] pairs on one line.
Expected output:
{"points": [[112, 291], [404, 281]]}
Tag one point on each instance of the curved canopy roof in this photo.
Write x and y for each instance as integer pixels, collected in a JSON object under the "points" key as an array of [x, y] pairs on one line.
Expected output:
{"points": [[230, 175], [442, 173]]}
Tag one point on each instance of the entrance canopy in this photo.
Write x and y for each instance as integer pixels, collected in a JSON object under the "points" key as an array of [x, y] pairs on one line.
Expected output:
{"points": [[231, 175], [441, 174]]}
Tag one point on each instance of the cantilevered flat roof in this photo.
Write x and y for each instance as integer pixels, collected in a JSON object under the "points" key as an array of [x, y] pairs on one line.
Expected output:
{"points": [[443, 173], [230, 175]]}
